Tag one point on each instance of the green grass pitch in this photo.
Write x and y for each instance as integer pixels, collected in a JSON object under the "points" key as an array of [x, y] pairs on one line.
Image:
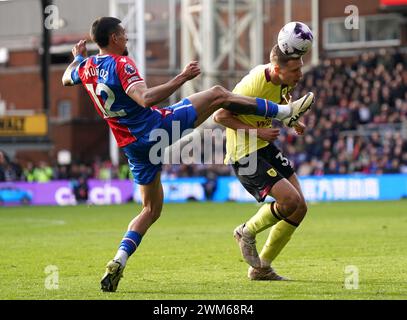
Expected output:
{"points": [[190, 253]]}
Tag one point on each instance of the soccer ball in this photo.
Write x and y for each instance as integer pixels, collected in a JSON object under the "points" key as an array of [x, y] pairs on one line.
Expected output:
{"points": [[295, 39]]}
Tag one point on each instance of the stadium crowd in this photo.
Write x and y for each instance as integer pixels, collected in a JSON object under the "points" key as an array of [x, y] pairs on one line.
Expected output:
{"points": [[356, 125]]}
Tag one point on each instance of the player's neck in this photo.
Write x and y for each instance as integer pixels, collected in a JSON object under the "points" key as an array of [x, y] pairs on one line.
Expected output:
{"points": [[274, 78], [108, 51]]}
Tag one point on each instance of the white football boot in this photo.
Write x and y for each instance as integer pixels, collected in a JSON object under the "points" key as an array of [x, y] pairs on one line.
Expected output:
{"points": [[247, 244], [298, 108], [265, 274]]}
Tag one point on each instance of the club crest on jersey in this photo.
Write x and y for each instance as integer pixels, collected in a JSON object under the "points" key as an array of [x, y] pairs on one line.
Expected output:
{"points": [[271, 172], [129, 69]]}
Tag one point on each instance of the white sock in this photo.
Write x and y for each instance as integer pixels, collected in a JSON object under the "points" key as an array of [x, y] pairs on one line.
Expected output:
{"points": [[122, 256], [284, 111]]}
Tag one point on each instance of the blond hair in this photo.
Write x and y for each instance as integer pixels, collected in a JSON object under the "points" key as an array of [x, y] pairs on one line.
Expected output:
{"points": [[278, 57]]}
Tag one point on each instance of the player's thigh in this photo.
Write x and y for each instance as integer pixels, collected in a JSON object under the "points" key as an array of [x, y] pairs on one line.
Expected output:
{"points": [[286, 195], [207, 102], [138, 155], [302, 208], [179, 120], [283, 166], [277, 159], [256, 175], [293, 179]]}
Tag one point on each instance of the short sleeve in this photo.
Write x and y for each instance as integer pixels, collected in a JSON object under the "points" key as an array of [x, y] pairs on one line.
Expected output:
{"points": [[75, 75], [76, 79], [248, 86], [127, 73]]}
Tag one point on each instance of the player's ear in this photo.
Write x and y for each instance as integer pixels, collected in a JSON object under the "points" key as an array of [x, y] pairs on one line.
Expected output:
{"points": [[114, 37], [276, 68]]}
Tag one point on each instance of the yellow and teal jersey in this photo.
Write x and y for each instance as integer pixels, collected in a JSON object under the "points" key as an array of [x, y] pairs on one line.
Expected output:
{"points": [[255, 84]]}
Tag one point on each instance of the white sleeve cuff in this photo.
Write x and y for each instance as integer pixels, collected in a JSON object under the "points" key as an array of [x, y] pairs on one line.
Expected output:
{"points": [[132, 84]]}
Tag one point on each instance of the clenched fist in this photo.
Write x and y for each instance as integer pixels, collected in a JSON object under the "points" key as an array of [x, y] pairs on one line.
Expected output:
{"points": [[191, 70], [80, 49], [268, 134]]}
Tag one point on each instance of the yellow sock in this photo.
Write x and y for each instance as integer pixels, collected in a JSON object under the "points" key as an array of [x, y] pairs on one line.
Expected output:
{"points": [[279, 235], [262, 220]]}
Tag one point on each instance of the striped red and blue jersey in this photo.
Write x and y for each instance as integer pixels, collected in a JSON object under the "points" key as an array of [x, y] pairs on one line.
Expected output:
{"points": [[107, 79]]}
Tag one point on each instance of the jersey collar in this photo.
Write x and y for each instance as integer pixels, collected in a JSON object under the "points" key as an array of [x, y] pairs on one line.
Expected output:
{"points": [[267, 74]]}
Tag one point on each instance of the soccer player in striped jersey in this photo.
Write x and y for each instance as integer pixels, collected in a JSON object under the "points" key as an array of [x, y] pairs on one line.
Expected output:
{"points": [[274, 175], [123, 99]]}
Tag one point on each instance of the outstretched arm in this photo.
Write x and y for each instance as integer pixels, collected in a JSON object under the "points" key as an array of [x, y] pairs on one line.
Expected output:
{"points": [[149, 97], [227, 119], [79, 52]]}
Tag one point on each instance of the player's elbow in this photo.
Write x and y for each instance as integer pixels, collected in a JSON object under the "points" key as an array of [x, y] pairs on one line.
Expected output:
{"points": [[147, 100], [219, 116], [65, 83], [216, 118], [66, 80], [141, 95], [148, 103]]}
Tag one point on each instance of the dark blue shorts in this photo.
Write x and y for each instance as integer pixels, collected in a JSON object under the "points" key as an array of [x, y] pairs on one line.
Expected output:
{"points": [[143, 165]]}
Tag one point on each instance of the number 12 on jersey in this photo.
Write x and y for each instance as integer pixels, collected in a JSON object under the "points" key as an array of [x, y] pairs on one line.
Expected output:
{"points": [[105, 108]]}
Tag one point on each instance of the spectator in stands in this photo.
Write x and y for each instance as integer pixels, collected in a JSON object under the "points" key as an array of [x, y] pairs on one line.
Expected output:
{"points": [[210, 185], [80, 189], [3, 165], [356, 93], [43, 173], [28, 172], [9, 170], [124, 172], [61, 172]]}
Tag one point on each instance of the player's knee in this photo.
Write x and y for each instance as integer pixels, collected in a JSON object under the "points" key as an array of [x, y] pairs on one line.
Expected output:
{"points": [[219, 94], [299, 213], [156, 215], [302, 208], [290, 204], [153, 212], [218, 91]]}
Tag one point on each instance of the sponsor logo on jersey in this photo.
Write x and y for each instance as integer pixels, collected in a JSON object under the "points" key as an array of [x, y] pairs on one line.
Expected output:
{"points": [[132, 79], [264, 123]]}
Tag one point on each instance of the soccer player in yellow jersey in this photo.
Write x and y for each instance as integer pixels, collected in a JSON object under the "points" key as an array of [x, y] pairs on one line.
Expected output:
{"points": [[273, 175]]}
